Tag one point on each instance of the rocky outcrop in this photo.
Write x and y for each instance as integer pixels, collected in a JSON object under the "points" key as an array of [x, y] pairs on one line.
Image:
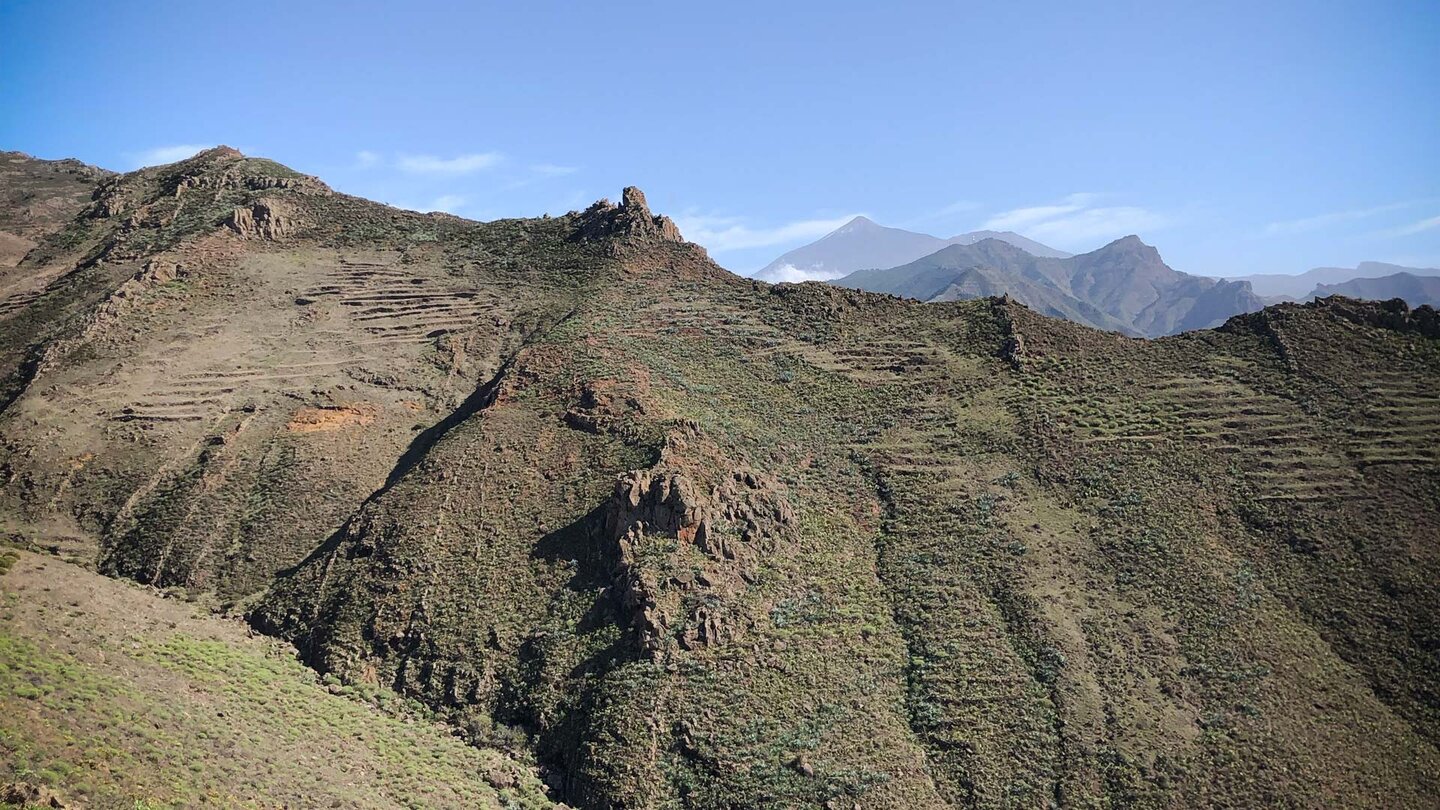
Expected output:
{"points": [[675, 540], [1392, 314], [603, 409], [110, 199], [629, 221], [242, 181], [266, 219], [26, 794]]}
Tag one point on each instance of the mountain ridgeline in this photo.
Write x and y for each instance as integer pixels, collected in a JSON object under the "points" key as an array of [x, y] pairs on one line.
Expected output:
{"points": [[1414, 290], [704, 541], [1123, 287], [1320, 281], [862, 244]]}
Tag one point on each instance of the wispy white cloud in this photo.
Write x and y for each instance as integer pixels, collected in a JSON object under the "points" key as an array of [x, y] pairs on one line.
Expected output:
{"points": [[1321, 221], [1098, 223], [948, 212], [461, 164], [1415, 227], [957, 207], [791, 273], [446, 203], [552, 170], [1020, 218], [161, 155], [719, 234], [538, 172], [1076, 220], [365, 159], [449, 203]]}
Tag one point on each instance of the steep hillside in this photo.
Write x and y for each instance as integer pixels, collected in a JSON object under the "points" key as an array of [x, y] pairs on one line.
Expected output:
{"points": [[861, 244], [1412, 289], [715, 543], [114, 697], [1123, 287]]}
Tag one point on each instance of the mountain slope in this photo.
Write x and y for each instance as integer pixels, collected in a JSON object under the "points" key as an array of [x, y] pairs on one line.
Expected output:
{"points": [[1300, 285], [1414, 290], [120, 698], [986, 268], [715, 543], [861, 244], [37, 197], [1124, 286]]}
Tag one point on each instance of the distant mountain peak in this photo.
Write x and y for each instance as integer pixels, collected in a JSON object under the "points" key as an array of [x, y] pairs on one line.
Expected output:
{"points": [[1130, 245], [858, 224], [1124, 286], [1130, 241], [863, 244]]}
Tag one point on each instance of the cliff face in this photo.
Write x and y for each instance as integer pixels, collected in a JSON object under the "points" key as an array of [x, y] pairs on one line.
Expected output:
{"points": [[716, 543]]}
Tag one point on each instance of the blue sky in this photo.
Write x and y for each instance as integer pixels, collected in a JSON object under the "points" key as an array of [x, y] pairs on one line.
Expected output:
{"points": [[1237, 137]]}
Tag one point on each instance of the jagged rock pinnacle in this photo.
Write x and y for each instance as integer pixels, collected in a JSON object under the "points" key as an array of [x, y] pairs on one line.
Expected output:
{"points": [[633, 199], [631, 221]]}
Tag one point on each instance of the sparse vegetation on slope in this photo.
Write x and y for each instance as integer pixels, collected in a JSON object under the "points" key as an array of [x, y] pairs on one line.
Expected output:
{"points": [[113, 697], [713, 543]]}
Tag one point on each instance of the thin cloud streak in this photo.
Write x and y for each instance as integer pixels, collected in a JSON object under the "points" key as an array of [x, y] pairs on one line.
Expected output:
{"points": [[461, 164], [1321, 221], [1416, 227], [1018, 218], [161, 155], [445, 204], [721, 234], [1075, 221]]}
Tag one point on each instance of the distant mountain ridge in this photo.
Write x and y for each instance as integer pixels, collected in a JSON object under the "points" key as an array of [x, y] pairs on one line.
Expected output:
{"points": [[1124, 286], [1301, 285], [862, 244], [1414, 290]]}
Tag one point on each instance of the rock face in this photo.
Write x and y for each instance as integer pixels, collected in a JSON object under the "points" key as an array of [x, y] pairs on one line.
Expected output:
{"points": [[28, 795], [266, 219], [742, 517], [631, 221]]}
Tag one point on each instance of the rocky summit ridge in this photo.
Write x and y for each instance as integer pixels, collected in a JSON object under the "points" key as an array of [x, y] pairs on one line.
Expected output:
{"points": [[685, 539]]}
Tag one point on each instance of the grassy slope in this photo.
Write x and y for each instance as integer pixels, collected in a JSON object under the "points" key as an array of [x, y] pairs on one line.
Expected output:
{"points": [[119, 698]]}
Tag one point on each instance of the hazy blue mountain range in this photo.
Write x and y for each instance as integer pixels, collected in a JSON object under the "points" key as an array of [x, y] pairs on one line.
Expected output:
{"points": [[1124, 286], [1302, 285], [1415, 290], [862, 244]]}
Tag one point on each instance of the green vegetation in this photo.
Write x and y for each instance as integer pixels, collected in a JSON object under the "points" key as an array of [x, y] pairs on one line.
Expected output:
{"points": [[689, 540], [202, 716], [117, 709]]}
